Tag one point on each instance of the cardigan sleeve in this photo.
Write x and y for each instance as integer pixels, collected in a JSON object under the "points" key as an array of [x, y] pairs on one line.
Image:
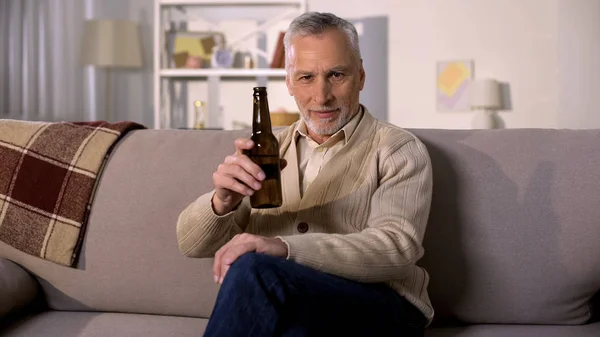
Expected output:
{"points": [[201, 232], [392, 242]]}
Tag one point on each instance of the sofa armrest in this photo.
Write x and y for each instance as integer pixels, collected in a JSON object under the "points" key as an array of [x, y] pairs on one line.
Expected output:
{"points": [[17, 287]]}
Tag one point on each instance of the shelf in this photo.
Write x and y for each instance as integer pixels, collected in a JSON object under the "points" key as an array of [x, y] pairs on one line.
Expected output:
{"points": [[229, 2], [171, 105], [229, 9], [223, 72]]}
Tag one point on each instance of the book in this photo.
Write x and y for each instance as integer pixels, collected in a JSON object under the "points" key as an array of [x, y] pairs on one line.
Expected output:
{"points": [[278, 60]]}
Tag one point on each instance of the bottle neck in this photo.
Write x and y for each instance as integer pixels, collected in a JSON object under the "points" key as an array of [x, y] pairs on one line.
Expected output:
{"points": [[261, 116]]}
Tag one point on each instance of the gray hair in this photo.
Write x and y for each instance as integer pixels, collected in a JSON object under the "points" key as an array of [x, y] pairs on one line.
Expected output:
{"points": [[314, 23]]}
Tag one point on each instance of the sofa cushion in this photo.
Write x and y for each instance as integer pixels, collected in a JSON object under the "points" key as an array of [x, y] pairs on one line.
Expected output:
{"points": [[87, 324], [514, 230], [495, 330], [17, 287]]}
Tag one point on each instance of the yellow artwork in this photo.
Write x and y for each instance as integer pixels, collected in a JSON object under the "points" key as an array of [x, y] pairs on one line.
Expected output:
{"points": [[191, 45], [453, 78]]}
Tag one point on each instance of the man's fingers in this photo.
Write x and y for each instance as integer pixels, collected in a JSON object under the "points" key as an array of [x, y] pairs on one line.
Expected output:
{"points": [[247, 165], [242, 144], [230, 183], [224, 272], [217, 264], [240, 173], [232, 254], [235, 251], [219, 258]]}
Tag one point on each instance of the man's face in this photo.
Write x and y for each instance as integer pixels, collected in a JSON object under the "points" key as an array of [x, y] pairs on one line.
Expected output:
{"points": [[325, 79]]}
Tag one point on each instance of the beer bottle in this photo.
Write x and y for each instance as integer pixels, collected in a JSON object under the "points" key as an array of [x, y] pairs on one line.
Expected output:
{"points": [[265, 153]]}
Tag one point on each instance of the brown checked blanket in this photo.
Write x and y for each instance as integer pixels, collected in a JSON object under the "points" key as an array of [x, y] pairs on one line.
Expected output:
{"points": [[48, 174]]}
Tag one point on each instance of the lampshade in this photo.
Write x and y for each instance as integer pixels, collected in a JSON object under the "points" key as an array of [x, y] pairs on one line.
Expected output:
{"points": [[485, 94], [111, 44]]}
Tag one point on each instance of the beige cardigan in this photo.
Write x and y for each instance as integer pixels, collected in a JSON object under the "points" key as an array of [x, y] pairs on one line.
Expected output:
{"points": [[366, 212]]}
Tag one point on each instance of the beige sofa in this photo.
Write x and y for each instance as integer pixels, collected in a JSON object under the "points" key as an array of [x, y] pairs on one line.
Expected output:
{"points": [[512, 246]]}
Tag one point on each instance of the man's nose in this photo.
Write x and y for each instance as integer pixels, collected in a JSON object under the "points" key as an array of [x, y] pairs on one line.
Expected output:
{"points": [[322, 92]]}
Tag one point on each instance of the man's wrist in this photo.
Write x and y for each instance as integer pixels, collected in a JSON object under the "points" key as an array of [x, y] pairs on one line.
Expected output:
{"points": [[219, 206], [287, 247]]}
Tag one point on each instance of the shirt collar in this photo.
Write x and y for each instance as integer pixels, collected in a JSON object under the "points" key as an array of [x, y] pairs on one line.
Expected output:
{"points": [[346, 131]]}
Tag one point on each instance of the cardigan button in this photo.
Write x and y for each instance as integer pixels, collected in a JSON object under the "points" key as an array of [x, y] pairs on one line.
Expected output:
{"points": [[302, 227]]}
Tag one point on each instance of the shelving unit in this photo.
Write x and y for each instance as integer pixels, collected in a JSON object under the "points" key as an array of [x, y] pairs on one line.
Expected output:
{"points": [[228, 2], [170, 82], [223, 73]]}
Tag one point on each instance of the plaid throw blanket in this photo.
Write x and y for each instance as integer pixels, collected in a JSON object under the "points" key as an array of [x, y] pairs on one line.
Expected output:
{"points": [[48, 174]]}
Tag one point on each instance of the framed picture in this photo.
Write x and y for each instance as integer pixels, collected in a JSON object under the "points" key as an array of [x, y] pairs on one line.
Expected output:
{"points": [[189, 49], [452, 82]]}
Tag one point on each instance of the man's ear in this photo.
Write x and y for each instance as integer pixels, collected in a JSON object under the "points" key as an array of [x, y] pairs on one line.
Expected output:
{"points": [[362, 75]]}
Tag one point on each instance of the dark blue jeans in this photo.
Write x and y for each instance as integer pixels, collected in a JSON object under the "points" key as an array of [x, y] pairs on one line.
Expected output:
{"points": [[267, 296]]}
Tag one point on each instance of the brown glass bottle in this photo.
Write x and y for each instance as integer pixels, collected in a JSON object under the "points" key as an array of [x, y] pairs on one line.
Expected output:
{"points": [[265, 153]]}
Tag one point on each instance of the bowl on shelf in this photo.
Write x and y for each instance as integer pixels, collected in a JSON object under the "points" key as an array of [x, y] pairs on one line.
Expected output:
{"points": [[284, 118]]}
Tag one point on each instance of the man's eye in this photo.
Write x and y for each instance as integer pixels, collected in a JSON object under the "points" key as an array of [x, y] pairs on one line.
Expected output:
{"points": [[305, 77], [337, 75]]}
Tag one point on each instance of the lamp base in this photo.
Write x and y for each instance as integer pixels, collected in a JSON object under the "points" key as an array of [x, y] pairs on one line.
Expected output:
{"points": [[484, 119]]}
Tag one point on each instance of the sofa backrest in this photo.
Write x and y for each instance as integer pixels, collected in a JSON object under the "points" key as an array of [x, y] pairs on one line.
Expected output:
{"points": [[129, 260], [514, 232]]}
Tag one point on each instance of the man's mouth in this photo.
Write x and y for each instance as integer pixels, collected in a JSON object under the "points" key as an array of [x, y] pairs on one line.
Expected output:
{"points": [[324, 113]]}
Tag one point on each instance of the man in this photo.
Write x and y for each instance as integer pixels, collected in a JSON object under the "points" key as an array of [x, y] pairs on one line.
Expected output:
{"points": [[338, 257]]}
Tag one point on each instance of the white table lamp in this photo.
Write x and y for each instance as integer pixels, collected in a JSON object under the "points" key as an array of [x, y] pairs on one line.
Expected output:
{"points": [[111, 44], [485, 99]]}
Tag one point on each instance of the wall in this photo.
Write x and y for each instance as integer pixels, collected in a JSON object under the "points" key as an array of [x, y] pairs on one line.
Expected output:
{"points": [[131, 90], [511, 40], [579, 63], [546, 50]]}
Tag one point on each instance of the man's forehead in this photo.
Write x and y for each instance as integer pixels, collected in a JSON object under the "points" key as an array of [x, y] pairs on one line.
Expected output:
{"points": [[302, 64], [309, 48], [329, 36]]}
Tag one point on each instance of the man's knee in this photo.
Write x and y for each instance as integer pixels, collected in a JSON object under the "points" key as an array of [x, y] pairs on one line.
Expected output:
{"points": [[250, 266]]}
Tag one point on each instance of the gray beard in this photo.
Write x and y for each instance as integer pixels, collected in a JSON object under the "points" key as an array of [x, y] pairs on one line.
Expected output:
{"points": [[328, 130]]}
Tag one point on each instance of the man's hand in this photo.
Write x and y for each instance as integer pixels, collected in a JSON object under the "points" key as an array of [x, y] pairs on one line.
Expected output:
{"points": [[241, 244], [238, 176]]}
